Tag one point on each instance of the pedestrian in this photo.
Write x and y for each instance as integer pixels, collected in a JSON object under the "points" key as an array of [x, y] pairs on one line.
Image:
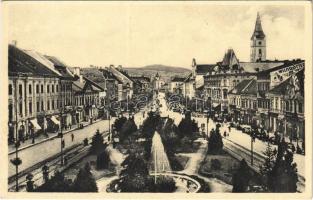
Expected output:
{"points": [[293, 148], [225, 134], [72, 135], [70, 125], [229, 128]]}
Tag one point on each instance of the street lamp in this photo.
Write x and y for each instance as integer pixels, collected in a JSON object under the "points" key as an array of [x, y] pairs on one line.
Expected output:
{"points": [[252, 141], [207, 126], [60, 135]]}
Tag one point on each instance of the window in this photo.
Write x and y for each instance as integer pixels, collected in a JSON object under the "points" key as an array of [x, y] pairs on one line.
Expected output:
{"points": [[52, 104], [42, 108], [30, 89], [225, 93], [20, 90], [10, 89], [41, 88], [21, 109], [48, 88], [48, 105], [10, 112], [260, 51], [57, 88], [300, 108], [38, 106], [30, 106], [287, 105], [37, 89], [260, 42], [52, 88]]}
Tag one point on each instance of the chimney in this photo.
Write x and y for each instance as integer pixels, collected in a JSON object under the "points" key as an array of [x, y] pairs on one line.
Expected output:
{"points": [[80, 78], [14, 43], [76, 71]]}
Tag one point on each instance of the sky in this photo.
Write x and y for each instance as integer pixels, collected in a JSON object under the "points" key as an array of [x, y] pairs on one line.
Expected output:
{"points": [[135, 34]]}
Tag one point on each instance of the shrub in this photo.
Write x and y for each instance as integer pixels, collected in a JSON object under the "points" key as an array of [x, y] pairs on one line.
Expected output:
{"points": [[165, 184], [85, 182], [103, 160], [97, 143]]}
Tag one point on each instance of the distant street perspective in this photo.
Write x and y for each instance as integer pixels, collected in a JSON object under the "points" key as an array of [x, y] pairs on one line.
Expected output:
{"points": [[228, 126]]}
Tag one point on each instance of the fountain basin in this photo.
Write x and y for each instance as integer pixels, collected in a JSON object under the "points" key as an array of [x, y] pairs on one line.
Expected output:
{"points": [[191, 185]]}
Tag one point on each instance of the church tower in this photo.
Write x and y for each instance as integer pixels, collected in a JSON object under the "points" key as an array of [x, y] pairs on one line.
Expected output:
{"points": [[258, 42]]}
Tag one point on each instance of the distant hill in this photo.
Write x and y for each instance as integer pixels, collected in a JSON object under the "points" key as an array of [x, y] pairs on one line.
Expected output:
{"points": [[166, 72]]}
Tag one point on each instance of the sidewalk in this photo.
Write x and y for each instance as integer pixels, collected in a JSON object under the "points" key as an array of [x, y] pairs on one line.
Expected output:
{"points": [[42, 138]]}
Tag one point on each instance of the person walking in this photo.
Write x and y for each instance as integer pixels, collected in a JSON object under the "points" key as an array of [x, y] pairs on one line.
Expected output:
{"points": [[72, 136]]}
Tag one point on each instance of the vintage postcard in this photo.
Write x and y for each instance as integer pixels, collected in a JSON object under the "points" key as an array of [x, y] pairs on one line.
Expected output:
{"points": [[156, 99]]}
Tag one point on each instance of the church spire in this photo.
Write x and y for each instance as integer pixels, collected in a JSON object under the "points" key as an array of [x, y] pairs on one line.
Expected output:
{"points": [[258, 31]]}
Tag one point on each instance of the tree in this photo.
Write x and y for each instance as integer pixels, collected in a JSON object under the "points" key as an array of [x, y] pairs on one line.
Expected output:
{"points": [[283, 177], [127, 129], [97, 144], [135, 175], [215, 144], [241, 177], [119, 122], [103, 160], [85, 181], [187, 127], [150, 125], [57, 183], [267, 167]]}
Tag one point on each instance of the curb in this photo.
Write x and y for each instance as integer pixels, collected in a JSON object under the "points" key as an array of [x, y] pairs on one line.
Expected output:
{"points": [[45, 140]]}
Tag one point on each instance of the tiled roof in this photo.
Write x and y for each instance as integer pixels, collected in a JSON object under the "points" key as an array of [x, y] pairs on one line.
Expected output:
{"points": [[141, 78], [22, 63], [60, 66], [178, 79], [109, 75], [254, 67], [285, 87], [202, 69], [239, 87], [250, 89], [230, 58]]}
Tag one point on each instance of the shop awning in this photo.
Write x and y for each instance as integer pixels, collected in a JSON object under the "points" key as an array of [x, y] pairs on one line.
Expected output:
{"points": [[57, 122], [35, 124]]}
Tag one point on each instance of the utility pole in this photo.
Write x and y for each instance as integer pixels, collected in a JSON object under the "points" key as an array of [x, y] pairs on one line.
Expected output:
{"points": [[252, 140]]}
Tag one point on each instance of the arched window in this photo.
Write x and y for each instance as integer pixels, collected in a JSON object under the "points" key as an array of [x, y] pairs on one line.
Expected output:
{"points": [[260, 51]]}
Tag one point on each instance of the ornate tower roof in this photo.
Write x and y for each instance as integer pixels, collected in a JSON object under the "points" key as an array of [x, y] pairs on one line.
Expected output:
{"points": [[258, 31]]}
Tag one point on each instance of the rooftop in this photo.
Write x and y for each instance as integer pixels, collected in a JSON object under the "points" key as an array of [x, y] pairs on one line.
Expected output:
{"points": [[22, 63]]}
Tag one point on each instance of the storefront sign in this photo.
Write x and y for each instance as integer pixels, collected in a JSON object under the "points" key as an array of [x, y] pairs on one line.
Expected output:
{"points": [[283, 74]]}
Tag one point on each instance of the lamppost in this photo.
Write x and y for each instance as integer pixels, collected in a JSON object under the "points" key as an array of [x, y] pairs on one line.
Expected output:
{"points": [[127, 95], [16, 161], [252, 141], [207, 125], [60, 135]]}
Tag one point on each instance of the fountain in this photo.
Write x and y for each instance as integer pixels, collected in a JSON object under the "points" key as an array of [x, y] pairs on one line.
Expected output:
{"points": [[159, 162], [160, 166]]}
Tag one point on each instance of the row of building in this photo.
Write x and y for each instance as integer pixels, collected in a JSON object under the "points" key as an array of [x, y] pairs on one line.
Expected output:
{"points": [[45, 94], [265, 93]]}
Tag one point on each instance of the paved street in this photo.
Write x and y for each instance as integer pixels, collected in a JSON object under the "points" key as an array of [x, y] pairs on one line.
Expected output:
{"points": [[42, 151], [235, 136]]}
